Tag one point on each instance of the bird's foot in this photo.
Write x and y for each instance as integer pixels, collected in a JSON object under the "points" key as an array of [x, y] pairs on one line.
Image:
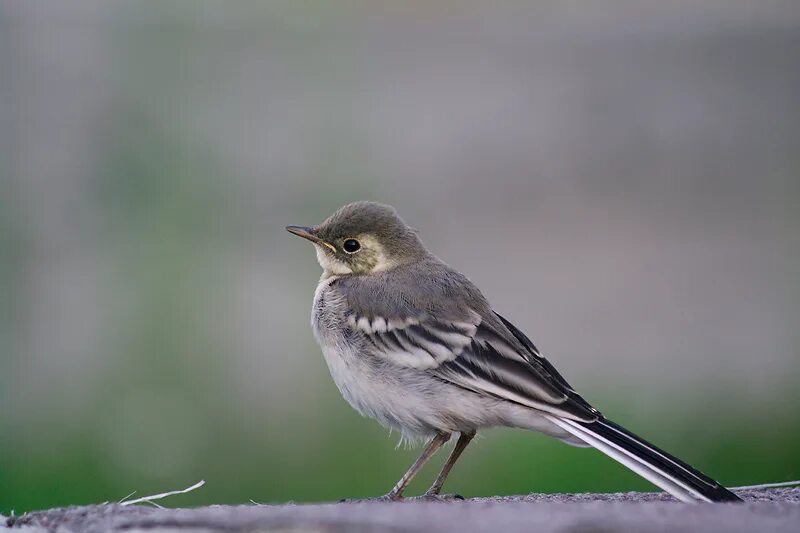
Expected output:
{"points": [[378, 499], [441, 498], [427, 497]]}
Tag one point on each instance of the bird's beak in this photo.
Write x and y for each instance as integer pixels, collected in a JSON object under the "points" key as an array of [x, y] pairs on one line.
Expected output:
{"points": [[308, 233]]}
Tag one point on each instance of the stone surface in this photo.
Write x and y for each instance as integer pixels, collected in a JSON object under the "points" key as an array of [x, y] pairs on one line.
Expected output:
{"points": [[774, 510]]}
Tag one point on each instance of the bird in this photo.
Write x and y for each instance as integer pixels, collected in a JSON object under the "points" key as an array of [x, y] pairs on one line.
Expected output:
{"points": [[414, 344]]}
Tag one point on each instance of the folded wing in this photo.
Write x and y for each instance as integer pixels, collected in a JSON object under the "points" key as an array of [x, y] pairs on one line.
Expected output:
{"points": [[485, 356]]}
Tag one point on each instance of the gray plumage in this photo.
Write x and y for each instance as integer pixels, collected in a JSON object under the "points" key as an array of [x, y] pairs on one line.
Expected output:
{"points": [[414, 344]]}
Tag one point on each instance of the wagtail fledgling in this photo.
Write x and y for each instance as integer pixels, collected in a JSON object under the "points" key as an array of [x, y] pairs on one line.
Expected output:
{"points": [[414, 344]]}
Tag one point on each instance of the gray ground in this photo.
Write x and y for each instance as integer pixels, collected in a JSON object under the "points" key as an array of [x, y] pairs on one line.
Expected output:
{"points": [[774, 510]]}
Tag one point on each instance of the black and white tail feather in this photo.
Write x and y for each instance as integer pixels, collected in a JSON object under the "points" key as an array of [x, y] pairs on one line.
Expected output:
{"points": [[652, 463], [657, 466]]}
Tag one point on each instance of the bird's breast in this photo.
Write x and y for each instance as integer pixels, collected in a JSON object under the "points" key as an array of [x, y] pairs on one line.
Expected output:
{"points": [[341, 348], [357, 374]]}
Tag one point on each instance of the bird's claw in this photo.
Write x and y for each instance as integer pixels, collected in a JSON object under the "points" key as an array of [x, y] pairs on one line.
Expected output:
{"points": [[378, 499], [441, 498], [427, 497]]}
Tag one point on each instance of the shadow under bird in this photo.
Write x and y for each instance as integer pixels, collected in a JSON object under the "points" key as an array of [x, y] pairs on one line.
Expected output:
{"points": [[414, 344]]}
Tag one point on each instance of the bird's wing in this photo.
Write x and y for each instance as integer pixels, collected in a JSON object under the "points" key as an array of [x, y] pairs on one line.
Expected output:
{"points": [[485, 355]]}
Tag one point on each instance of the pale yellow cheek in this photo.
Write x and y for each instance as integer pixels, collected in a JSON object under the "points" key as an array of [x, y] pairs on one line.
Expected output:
{"points": [[381, 262]]}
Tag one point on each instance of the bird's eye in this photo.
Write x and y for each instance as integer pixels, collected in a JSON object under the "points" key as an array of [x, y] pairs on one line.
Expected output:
{"points": [[351, 246]]}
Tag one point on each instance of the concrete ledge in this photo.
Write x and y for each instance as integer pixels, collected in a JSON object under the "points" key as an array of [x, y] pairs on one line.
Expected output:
{"points": [[774, 510]]}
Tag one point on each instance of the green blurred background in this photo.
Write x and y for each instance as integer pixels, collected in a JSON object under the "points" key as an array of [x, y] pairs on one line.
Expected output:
{"points": [[621, 179]]}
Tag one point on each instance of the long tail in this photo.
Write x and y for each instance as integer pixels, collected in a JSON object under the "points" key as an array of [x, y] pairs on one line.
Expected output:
{"points": [[657, 466]]}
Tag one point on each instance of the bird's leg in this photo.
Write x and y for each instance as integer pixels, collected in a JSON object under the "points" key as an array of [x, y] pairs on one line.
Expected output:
{"points": [[463, 440], [433, 446]]}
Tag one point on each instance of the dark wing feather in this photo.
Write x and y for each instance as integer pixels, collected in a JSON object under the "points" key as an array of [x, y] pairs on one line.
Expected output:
{"points": [[554, 374], [484, 356]]}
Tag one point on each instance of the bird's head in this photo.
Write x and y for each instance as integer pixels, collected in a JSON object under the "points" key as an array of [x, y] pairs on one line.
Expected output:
{"points": [[362, 238]]}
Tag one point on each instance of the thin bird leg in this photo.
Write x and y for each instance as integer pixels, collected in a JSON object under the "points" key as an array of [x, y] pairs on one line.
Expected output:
{"points": [[433, 446], [463, 440]]}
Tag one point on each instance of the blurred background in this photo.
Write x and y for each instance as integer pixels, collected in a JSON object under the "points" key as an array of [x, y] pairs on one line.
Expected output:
{"points": [[621, 180]]}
